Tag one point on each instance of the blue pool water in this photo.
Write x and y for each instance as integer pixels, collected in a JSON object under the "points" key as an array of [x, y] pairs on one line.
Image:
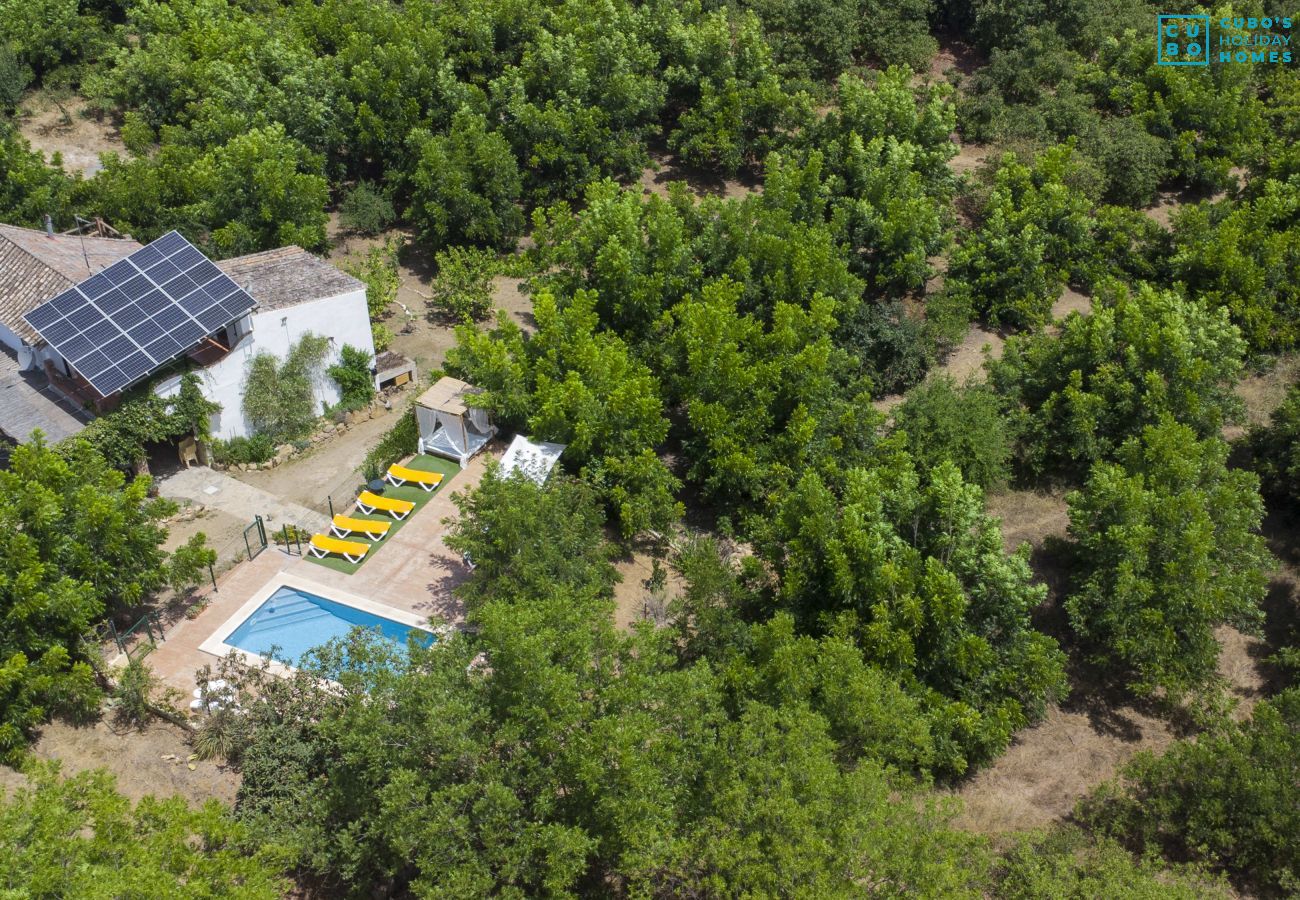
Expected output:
{"points": [[294, 621]]}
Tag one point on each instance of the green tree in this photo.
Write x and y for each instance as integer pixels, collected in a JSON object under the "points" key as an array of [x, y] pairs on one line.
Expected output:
{"points": [[260, 190], [1168, 550], [916, 575], [1035, 228], [525, 539], [79, 540], [1276, 449], [962, 425], [1229, 799], [732, 106], [463, 289], [366, 210], [14, 78], [546, 752], [378, 270], [466, 187], [1245, 258], [28, 187], [47, 33], [1142, 355], [764, 402], [78, 837], [572, 383]]}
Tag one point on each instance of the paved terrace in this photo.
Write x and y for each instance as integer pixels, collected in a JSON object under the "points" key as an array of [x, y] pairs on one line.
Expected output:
{"points": [[412, 570]]}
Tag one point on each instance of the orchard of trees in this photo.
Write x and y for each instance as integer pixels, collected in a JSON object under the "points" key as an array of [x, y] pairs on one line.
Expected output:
{"points": [[851, 637]]}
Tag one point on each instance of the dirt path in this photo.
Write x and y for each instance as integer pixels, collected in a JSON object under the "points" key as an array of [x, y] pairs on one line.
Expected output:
{"points": [[331, 469]]}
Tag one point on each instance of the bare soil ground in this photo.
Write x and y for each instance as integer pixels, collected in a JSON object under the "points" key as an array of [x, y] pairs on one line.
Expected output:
{"points": [[955, 56], [152, 761], [664, 169], [63, 126], [1263, 392], [1071, 301], [633, 598], [223, 531], [969, 158]]}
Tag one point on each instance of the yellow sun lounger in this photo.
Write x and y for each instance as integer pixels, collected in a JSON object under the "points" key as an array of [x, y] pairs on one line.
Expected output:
{"points": [[398, 509], [345, 525], [323, 545], [399, 475]]}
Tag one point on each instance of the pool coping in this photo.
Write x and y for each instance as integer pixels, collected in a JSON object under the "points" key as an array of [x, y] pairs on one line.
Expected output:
{"points": [[215, 644]]}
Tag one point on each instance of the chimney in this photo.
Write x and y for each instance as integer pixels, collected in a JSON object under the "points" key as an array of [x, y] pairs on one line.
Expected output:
{"points": [[49, 225]]}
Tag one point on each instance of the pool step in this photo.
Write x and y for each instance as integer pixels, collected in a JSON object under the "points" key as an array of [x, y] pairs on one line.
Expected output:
{"points": [[289, 613]]}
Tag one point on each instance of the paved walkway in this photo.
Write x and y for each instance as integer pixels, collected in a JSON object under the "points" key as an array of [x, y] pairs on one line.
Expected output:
{"points": [[219, 491]]}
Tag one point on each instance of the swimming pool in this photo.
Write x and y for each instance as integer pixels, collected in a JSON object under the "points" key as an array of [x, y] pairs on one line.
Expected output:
{"points": [[290, 619]]}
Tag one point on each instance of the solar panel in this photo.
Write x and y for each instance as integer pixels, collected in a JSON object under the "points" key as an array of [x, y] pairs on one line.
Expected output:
{"points": [[43, 316], [140, 313]]}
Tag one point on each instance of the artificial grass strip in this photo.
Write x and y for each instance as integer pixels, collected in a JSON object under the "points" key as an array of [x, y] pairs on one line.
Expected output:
{"points": [[414, 493]]}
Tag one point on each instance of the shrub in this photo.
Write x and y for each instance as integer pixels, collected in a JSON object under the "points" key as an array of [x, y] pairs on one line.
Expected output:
{"points": [[960, 424], [279, 397], [243, 450], [135, 689], [354, 378], [1069, 864], [222, 735], [366, 209], [400, 440]]}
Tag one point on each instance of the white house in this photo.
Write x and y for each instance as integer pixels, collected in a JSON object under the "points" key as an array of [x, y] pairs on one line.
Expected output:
{"points": [[296, 293], [99, 316]]}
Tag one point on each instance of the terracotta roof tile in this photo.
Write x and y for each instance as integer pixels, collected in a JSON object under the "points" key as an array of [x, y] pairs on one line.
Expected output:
{"points": [[35, 266], [287, 276]]}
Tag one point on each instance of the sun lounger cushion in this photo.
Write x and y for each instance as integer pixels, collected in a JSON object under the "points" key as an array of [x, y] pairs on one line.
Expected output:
{"points": [[399, 475], [323, 545], [398, 509], [345, 525]]}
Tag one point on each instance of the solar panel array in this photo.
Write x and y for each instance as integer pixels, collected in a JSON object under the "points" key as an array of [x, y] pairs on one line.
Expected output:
{"points": [[143, 311]]}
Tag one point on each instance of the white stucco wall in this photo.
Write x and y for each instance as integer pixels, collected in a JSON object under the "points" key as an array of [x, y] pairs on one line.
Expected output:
{"points": [[9, 339], [343, 318]]}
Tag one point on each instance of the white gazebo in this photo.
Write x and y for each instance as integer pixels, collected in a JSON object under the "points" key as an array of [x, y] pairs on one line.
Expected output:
{"points": [[448, 426]]}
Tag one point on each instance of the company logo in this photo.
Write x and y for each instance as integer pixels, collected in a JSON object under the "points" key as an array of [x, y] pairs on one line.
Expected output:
{"points": [[1185, 40]]}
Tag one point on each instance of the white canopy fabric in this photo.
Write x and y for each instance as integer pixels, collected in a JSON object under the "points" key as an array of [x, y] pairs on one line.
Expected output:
{"points": [[534, 458]]}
